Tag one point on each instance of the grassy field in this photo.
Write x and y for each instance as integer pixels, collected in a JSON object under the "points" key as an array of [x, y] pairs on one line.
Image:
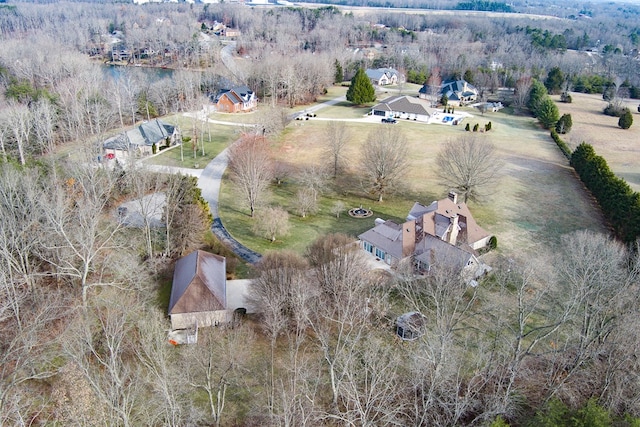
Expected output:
{"points": [[537, 199], [621, 148]]}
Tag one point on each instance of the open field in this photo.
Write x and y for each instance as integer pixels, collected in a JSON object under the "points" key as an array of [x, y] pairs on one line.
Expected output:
{"points": [[621, 148], [538, 197]]}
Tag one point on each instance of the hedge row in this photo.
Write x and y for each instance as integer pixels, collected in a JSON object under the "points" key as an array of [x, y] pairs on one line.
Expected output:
{"points": [[561, 144], [619, 203]]}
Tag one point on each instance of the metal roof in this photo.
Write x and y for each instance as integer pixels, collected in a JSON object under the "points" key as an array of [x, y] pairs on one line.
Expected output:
{"points": [[199, 283]]}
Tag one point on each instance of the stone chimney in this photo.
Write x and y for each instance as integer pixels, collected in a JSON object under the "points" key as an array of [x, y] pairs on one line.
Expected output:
{"points": [[453, 232], [453, 196]]}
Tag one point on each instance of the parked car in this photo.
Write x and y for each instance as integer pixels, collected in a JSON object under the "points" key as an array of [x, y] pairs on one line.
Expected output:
{"points": [[389, 120]]}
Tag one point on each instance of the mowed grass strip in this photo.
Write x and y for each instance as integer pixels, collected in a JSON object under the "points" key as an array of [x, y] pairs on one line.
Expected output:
{"points": [[536, 199]]}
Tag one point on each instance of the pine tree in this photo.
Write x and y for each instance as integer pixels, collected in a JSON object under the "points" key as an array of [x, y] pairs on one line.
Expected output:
{"points": [[361, 90], [339, 75], [548, 113]]}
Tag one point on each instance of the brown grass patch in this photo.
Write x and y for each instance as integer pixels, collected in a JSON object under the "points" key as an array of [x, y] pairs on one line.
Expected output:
{"points": [[620, 147], [538, 197]]}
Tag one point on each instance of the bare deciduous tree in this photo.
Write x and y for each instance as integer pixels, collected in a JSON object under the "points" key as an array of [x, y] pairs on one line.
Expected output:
{"points": [[98, 344], [273, 222], [521, 92], [251, 169], [19, 121], [313, 179], [469, 165], [337, 208], [73, 213], [337, 136], [339, 314], [215, 363], [306, 202], [384, 160], [277, 294]]}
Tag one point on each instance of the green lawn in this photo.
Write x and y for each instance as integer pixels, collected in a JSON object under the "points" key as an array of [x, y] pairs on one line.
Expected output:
{"points": [[236, 219]]}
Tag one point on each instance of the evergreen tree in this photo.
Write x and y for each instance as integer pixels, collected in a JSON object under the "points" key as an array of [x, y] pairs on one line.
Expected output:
{"points": [[548, 113], [361, 90], [537, 93], [626, 120], [554, 80], [564, 124], [339, 75]]}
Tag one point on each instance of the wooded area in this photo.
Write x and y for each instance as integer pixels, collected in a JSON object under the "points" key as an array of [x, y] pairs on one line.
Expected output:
{"points": [[547, 338]]}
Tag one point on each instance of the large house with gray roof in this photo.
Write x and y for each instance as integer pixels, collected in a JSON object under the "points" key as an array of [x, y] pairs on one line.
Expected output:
{"points": [[443, 233], [412, 108], [383, 76], [141, 139], [458, 92], [402, 107]]}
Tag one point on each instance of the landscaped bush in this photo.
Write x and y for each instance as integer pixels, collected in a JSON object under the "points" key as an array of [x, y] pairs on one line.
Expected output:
{"points": [[468, 128], [626, 120], [493, 243], [619, 203], [476, 127], [565, 97], [565, 124], [561, 144], [615, 110]]}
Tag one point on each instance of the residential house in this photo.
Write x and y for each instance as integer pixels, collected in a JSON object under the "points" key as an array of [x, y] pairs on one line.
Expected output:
{"points": [[236, 99], [411, 108], [443, 233], [198, 291], [140, 140], [459, 92], [402, 107], [383, 76]]}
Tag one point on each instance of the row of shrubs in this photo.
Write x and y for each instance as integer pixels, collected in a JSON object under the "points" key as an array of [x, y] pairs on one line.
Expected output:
{"points": [[619, 203], [561, 144], [476, 127]]}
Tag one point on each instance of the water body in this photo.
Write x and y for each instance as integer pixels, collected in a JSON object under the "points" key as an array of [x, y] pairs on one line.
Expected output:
{"points": [[151, 74]]}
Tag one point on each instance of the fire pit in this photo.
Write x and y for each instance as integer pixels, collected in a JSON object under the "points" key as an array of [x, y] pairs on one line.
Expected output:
{"points": [[360, 212]]}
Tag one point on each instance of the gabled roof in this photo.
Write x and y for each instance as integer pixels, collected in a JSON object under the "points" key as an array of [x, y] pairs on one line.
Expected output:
{"points": [[402, 104], [432, 251], [199, 284], [237, 94], [377, 73], [386, 236], [454, 89], [148, 133], [446, 208]]}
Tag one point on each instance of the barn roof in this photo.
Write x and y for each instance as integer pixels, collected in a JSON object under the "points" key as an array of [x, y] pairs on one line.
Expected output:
{"points": [[199, 284]]}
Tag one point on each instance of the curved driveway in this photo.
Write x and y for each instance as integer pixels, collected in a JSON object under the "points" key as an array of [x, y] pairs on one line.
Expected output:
{"points": [[209, 183]]}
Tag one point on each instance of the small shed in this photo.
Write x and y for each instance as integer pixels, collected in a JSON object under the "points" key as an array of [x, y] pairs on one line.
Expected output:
{"points": [[410, 326], [198, 292]]}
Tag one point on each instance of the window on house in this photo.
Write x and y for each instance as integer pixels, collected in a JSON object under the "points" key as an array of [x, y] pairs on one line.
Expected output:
{"points": [[380, 253], [367, 247]]}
